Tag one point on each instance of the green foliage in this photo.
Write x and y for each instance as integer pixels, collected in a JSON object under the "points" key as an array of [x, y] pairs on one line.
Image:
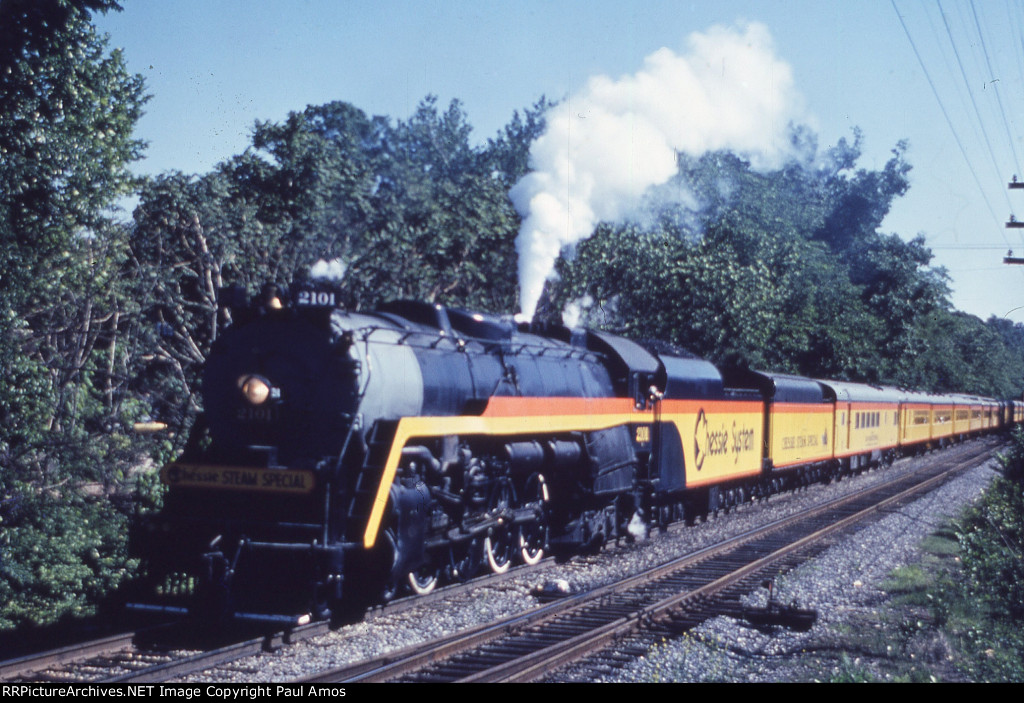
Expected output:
{"points": [[411, 209], [67, 111], [991, 538], [849, 671], [59, 556], [104, 323], [978, 599], [952, 351]]}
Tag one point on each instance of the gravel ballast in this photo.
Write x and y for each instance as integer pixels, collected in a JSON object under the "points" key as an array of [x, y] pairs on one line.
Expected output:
{"points": [[844, 584]]}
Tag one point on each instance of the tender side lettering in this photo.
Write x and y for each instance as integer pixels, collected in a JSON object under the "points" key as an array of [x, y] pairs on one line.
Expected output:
{"points": [[720, 440]]}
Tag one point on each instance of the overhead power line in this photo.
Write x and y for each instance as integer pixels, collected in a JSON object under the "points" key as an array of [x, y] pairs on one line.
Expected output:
{"points": [[970, 93], [994, 82], [945, 113]]}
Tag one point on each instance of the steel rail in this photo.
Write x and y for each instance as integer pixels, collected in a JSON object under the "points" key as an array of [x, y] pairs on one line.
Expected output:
{"points": [[13, 669], [60, 663], [537, 664]]}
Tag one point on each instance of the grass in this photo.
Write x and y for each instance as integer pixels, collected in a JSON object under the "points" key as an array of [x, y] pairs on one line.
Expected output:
{"points": [[941, 622]]}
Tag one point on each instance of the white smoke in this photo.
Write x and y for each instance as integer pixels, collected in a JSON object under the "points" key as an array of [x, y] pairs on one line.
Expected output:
{"points": [[333, 270], [574, 309], [604, 147]]}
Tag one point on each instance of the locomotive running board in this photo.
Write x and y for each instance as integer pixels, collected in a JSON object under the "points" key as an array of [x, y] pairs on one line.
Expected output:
{"points": [[279, 620], [158, 609]]}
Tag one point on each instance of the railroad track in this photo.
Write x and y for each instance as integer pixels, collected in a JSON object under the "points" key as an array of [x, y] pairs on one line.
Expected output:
{"points": [[664, 601], [151, 656], [590, 616]]}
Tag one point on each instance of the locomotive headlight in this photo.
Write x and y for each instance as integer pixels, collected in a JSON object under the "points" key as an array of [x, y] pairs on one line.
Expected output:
{"points": [[257, 389]]}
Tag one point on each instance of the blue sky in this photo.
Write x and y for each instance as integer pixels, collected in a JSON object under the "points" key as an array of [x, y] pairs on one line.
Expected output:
{"points": [[214, 67]]}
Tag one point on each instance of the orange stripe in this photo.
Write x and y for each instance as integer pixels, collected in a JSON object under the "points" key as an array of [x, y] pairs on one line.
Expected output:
{"points": [[503, 425], [546, 407], [711, 406]]}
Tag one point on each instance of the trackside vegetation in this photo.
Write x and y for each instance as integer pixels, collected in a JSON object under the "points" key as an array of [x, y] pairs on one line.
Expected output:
{"points": [[106, 317], [958, 614], [982, 604]]}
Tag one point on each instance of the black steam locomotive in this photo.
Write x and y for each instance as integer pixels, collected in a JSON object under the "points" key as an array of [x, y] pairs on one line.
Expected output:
{"points": [[344, 456]]}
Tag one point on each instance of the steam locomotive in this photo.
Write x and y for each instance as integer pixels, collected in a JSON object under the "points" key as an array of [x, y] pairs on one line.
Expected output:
{"points": [[342, 456]]}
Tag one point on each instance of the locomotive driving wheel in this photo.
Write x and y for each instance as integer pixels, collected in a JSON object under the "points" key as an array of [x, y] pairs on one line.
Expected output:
{"points": [[389, 589], [534, 535], [424, 579], [500, 543]]}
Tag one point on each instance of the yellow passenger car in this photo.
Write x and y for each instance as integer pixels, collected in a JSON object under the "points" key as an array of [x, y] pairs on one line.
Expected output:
{"points": [[866, 422], [943, 408], [799, 417], [916, 419]]}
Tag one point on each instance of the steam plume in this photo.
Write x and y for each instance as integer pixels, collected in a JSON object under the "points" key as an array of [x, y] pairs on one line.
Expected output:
{"points": [[605, 146], [333, 270]]}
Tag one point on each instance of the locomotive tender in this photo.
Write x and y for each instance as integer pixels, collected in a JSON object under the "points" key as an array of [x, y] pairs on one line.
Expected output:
{"points": [[342, 456]]}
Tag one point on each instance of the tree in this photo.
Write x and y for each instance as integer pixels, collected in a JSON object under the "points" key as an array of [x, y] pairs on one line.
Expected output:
{"points": [[185, 238], [67, 111], [508, 153], [410, 208], [784, 270]]}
